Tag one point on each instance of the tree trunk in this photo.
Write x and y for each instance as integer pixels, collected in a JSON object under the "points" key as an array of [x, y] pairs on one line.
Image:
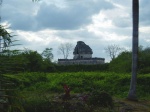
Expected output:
{"points": [[135, 11], [0, 43], [1, 93]]}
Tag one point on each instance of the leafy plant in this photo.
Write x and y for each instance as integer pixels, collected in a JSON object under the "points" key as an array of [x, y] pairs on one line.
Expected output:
{"points": [[67, 92]]}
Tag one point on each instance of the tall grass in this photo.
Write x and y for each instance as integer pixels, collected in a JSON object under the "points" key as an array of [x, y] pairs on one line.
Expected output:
{"points": [[114, 83]]}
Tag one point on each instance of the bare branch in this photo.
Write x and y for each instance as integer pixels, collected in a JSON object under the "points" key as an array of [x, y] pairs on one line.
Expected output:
{"points": [[113, 50], [65, 49]]}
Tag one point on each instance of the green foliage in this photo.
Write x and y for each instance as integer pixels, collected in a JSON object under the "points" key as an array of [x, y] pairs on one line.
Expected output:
{"points": [[47, 54], [122, 63], [113, 83], [14, 61], [144, 60], [42, 102], [24, 80], [48, 66], [9, 96], [37, 103], [5, 38], [100, 99], [41, 91], [33, 60], [81, 68], [11, 61]]}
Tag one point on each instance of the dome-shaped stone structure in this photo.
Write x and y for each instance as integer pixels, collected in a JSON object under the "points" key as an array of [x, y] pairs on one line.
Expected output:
{"points": [[82, 51]]}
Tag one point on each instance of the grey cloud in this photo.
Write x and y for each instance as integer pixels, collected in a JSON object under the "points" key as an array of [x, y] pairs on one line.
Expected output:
{"points": [[123, 2], [144, 13], [22, 23], [122, 31], [73, 16], [122, 22], [75, 34], [19, 14], [52, 17]]}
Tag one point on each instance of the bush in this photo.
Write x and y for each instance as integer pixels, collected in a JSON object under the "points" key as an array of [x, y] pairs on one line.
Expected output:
{"points": [[145, 70], [122, 63], [77, 68], [101, 99]]}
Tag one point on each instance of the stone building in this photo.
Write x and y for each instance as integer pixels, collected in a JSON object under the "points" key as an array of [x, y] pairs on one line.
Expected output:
{"points": [[82, 55], [82, 51]]}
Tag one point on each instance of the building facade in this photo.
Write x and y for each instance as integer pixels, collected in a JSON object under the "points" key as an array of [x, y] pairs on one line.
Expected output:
{"points": [[82, 55]]}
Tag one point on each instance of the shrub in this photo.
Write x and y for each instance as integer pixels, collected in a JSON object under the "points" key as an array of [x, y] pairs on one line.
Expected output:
{"points": [[145, 70], [77, 68], [101, 99]]}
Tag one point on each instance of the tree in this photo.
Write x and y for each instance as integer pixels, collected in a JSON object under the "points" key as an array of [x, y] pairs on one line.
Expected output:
{"points": [[122, 63], [113, 50], [47, 54], [144, 61], [32, 60], [65, 49], [135, 13], [5, 38]]}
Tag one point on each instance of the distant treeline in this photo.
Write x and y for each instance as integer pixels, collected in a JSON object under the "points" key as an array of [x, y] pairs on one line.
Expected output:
{"points": [[77, 68], [123, 62], [31, 61]]}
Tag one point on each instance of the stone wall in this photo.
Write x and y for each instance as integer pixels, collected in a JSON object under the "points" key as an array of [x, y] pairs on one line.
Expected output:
{"points": [[88, 61], [82, 56]]}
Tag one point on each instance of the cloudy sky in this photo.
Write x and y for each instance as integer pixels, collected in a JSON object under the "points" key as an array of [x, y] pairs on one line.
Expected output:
{"points": [[98, 23]]}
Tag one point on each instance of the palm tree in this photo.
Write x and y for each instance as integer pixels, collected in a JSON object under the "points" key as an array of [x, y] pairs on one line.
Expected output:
{"points": [[135, 11], [5, 38]]}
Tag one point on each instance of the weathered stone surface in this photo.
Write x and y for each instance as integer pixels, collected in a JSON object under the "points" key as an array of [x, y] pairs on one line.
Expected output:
{"points": [[82, 48], [82, 51]]}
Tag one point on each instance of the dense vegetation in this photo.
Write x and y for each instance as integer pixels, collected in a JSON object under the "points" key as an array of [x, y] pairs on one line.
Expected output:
{"points": [[123, 62], [39, 89], [114, 83], [39, 81], [32, 61]]}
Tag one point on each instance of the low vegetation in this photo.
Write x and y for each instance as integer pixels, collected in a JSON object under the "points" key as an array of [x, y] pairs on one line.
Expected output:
{"points": [[45, 91]]}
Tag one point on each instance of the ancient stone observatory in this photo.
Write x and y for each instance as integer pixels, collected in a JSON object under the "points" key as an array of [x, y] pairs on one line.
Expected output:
{"points": [[82, 55]]}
